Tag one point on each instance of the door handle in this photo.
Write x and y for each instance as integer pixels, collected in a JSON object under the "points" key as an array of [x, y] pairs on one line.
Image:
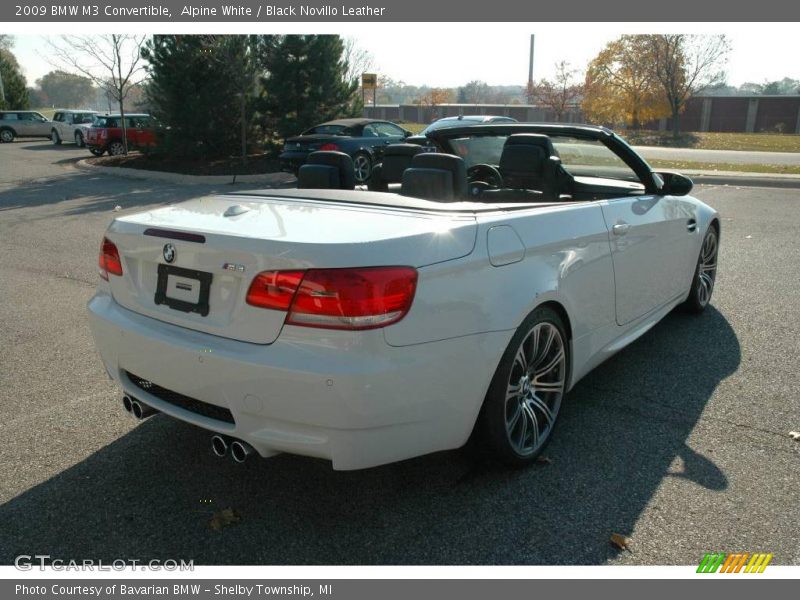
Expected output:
{"points": [[691, 225], [620, 228]]}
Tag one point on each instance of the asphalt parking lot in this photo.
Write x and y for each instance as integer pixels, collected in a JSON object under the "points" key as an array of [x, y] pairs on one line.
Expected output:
{"points": [[680, 442]]}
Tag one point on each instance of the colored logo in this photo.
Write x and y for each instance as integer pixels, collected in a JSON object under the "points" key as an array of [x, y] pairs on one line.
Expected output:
{"points": [[741, 562]]}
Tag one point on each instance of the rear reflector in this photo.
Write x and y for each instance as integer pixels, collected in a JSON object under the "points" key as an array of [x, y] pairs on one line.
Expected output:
{"points": [[109, 261], [360, 298], [328, 146]]}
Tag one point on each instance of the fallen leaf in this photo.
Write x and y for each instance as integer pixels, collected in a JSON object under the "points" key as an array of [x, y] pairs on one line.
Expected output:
{"points": [[223, 518], [620, 541], [544, 460], [795, 435]]}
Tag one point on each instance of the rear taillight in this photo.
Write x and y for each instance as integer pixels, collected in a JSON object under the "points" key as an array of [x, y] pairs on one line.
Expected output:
{"points": [[361, 298], [329, 146], [109, 260], [274, 289]]}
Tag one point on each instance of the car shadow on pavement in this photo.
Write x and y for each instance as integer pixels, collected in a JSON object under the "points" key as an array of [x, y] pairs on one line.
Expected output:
{"points": [[153, 492]]}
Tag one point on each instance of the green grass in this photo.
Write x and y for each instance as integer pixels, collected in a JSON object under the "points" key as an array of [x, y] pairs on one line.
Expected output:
{"points": [[688, 165], [752, 142], [413, 127]]}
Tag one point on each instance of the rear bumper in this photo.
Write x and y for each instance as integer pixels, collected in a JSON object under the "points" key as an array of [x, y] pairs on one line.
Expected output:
{"points": [[347, 397]]}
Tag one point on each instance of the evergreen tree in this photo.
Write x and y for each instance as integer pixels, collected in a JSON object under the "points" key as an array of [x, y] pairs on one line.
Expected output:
{"points": [[196, 90], [305, 83], [15, 92]]}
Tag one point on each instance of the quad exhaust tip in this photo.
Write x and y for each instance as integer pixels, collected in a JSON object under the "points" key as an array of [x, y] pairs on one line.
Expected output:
{"points": [[219, 445], [240, 451]]}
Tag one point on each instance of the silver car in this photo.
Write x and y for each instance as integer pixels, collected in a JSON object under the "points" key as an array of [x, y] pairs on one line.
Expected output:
{"points": [[23, 123], [71, 125]]}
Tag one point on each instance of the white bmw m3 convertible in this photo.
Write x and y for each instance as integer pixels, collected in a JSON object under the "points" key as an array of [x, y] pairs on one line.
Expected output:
{"points": [[463, 295]]}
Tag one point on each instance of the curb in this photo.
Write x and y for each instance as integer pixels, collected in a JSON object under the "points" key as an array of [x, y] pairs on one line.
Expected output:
{"points": [[267, 179]]}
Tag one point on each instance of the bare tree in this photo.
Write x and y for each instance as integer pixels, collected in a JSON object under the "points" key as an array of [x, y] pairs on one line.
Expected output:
{"points": [[560, 93], [359, 60], [685, 65], [113, 62]]}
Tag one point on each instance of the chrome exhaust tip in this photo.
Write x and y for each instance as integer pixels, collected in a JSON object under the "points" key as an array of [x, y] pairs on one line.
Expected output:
{"points": [[219, 445], [142, 411], [240, 451], [127, 403]]}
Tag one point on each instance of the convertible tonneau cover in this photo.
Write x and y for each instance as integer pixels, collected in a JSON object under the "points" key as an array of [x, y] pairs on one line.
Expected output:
{"points": [[389, 200]]}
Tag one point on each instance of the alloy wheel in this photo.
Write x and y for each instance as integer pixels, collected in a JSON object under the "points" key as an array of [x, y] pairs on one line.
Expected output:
{"points": [[535, 388], [707, 267], [362, 166]]}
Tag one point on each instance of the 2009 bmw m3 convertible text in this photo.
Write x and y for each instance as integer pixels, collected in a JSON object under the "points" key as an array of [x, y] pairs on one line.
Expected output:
{"points": [[366, 327]]}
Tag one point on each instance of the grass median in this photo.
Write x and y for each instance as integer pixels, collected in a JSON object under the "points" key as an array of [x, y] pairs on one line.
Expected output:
{"points": [[688, 165]]}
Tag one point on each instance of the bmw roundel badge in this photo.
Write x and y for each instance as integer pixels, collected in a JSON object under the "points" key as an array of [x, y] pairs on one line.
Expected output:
{"points": [[169, 252]]}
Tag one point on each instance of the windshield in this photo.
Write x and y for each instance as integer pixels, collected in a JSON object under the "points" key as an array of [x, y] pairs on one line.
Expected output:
{"points": [[579, 157], [442, 123]]}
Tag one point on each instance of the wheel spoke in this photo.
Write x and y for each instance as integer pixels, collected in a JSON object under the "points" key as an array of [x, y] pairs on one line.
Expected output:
{"points": [[510, 425], [521, 360], [554, 362], [541, 405], [530, 418], [539, 355], [548, 386]]}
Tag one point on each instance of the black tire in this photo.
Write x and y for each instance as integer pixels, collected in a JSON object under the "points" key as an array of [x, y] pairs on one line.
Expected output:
{"points": [[705, 273], [7, 135], [495, 430], [362, 167], [55, 138], [97, 151], [79, 141]]}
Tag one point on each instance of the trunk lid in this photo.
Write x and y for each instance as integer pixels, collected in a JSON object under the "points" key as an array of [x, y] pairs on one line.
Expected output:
{"points": [[245, 235]]}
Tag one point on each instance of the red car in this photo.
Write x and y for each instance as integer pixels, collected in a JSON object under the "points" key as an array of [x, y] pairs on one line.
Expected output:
{"points": [[105, 134]]}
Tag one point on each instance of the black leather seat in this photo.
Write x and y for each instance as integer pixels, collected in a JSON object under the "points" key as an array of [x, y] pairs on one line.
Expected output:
{"points": [[396, 159], [327, 170], [530, 162], [435, 176]]}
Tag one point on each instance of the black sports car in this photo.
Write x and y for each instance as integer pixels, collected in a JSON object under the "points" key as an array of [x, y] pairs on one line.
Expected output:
{"points": [[363, 139]]}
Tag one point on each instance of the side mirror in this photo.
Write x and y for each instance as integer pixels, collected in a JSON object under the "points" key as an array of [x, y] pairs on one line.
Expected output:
{"points": [[407, 133], [675, 184]]}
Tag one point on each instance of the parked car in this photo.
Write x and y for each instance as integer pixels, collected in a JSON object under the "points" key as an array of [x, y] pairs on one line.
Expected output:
{"points": [[23, 123], [71, 126], [105, 133], [370, 327], [421, 138], [362, 139]]}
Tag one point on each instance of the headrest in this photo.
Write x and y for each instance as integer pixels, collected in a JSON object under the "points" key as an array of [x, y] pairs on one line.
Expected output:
{"points": [[318, 177], [446, 162], [522, 158], [402, 150], [430, 184], [396, 159], [532, 139], [328, 158]]}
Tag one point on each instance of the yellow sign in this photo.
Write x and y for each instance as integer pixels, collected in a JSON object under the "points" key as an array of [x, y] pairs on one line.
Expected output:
{"points": [[369, 81]]}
